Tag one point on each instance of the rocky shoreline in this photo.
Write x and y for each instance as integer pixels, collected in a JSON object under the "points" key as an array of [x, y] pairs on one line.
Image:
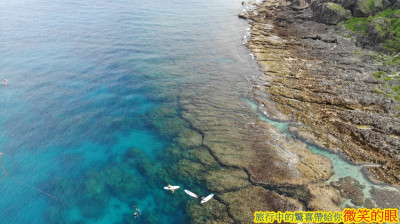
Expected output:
{"points": [[313, 76]]}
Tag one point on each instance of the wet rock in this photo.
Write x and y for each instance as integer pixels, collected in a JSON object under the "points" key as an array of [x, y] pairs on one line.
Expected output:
{"points": [[204, 157], [189, 139], [323, 198], [330, 13], [351, 188], [211, 212], [243, 203], [386, 198], [223, 180], [167, 121], [187, 169]]}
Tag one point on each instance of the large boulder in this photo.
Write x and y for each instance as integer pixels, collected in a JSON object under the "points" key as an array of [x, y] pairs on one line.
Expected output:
{"points": [[330, 13], [365, 8], [378, 30]]}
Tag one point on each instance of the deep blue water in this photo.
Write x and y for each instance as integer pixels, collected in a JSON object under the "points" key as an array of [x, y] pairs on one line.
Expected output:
{"points": [[83, 77]]}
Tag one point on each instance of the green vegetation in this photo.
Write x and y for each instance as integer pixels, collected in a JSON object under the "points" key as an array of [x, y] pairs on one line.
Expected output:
{"points": [[359, 25], [368, 5], [336, 6], [387, 23], [379, 74]]}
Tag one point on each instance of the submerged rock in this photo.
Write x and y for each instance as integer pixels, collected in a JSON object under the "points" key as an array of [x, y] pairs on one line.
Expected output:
{"points": [[244, 202], [351, 188], [189, 138], [211, 212], [223, 180]]}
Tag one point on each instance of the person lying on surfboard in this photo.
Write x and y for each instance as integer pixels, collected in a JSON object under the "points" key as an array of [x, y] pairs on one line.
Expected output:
{"points": [[170, 186]]}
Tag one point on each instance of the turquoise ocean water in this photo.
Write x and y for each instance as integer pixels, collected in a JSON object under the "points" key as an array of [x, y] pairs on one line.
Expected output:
{"points": [[84, 78]]}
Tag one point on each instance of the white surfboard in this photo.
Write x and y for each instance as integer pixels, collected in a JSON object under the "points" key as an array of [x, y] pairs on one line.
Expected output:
{"points": [[191, 194], [171, 188], [207, 198]]}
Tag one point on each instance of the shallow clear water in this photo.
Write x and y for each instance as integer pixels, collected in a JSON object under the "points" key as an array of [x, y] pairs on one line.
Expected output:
{"points": [[84, 78], [341, 167]]}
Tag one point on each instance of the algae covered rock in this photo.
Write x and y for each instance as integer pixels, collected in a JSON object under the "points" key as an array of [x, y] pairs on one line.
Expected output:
{"points": [[204, 156], [166, 120], [189, 138], [365, 8], [330, 13], [244, 202], [223, 180], [378, 30], [210, 212]]}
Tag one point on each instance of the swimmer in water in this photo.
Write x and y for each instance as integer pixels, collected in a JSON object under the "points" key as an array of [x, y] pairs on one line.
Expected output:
{"points": [[5, 82]]}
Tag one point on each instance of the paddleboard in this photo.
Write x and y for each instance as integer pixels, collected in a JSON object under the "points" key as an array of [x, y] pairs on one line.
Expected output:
{"points": [[207, 198], [171, 188], [191, 193]]}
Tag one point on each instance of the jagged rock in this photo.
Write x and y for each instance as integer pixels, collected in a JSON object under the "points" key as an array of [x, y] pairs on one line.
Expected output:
{"points": [[244, 15], [378, 30], [365, 8], [298, 5], [330, 13]]}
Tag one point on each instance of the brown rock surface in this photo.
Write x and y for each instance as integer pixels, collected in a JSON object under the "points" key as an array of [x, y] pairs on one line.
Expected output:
{"points": [[313, 76], [323, 198]]}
